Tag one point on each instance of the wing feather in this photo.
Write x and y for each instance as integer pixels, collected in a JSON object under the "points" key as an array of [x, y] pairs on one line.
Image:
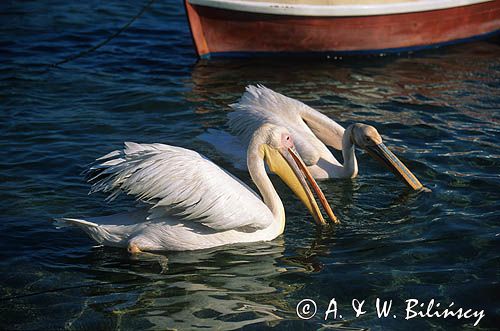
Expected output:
{"points": [[308, 127], [179, 182]]}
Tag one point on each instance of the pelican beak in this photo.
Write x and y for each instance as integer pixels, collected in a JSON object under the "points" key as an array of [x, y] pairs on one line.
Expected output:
{"points": [[382, 154], [288, 165]]}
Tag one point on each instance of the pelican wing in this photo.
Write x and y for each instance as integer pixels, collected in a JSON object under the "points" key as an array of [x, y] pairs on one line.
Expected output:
{"points": [[323, 127], [308, 127], [260, 105], [181, 183]]}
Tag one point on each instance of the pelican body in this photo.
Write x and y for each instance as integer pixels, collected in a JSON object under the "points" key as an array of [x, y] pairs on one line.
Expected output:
{"points": [[193, 203], [312, 132]]}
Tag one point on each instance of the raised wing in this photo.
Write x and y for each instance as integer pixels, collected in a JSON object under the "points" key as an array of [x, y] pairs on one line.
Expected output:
{"points": [[323, 127], [309, 128], [181, 183]]}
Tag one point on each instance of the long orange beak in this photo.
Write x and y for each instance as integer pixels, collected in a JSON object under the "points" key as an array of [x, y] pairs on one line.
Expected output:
{"points": [[288, 165], [382, 154], [310, 179]]}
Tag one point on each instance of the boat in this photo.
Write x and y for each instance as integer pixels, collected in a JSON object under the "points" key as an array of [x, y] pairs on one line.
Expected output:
{"points": [[332, 28]]}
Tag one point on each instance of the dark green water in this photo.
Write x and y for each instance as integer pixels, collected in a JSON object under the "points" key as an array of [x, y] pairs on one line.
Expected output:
{"points": [[437, 110]]}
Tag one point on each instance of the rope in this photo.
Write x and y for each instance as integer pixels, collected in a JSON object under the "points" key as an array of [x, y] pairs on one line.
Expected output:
{"points": [[60, 289], [104, 42]]}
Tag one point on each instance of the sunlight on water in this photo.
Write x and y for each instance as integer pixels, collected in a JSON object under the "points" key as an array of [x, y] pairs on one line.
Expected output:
{"points": [[437, 110]]}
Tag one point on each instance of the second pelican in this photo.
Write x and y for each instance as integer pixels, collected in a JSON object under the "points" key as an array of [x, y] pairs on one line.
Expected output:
{"points": [[311, 130]]}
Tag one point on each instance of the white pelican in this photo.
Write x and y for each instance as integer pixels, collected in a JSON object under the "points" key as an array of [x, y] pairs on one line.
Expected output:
{"points": [[194, 203], [311, 131]]}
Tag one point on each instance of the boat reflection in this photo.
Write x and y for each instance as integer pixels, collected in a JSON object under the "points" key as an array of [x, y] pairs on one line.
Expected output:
{"points": [[356, 89]]}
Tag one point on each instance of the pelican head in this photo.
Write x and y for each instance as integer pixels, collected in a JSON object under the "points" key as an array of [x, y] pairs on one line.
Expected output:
{"points": [[276, 147], [368, 138]]}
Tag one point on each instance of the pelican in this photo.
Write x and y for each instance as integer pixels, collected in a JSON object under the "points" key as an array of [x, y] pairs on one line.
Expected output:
{"points": [[193, 203], [312, 132]]}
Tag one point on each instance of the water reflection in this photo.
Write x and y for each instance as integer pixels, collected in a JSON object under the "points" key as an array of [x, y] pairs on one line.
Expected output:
{"points": [[362, 90], [438, 110], [225, 288]]}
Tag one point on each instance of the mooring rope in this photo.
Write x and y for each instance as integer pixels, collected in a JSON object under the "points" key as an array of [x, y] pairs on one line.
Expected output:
{"points": [[104, 42]]}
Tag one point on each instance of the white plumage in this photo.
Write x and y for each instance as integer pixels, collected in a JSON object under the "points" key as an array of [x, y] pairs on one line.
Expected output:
{"points": [[199, 191], [193, 203], [312, 132], [309, 128]]}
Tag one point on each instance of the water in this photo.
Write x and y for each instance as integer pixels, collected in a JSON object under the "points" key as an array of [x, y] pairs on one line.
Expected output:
{"points": [[437, 110]]}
